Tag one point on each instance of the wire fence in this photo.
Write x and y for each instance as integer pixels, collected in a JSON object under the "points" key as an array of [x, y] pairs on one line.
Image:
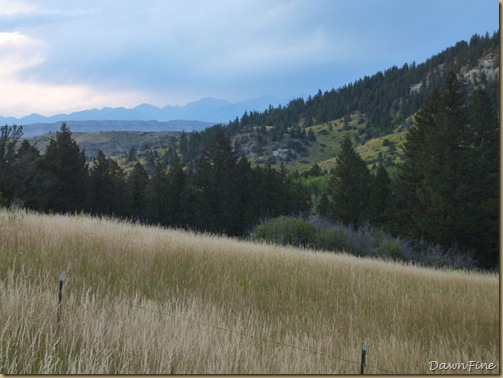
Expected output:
{"points": [[282, 344], [363, 365]]}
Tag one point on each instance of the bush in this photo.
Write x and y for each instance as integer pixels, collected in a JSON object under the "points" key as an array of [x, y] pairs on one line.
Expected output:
{"points": [[321, 234], [286, 230], [390, 248], [325, 240]]}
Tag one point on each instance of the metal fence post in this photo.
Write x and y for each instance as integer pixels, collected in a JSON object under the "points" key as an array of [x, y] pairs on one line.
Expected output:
{"points": [[60, 295], [364, 355]]}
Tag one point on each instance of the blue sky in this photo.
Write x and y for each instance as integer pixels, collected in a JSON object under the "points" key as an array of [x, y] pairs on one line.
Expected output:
{"points": [[59, 56]]}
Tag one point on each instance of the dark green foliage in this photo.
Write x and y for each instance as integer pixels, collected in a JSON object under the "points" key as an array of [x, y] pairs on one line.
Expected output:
{"points": [[157, 197], [245, 183], [447, 187], [27, 183], [446, 191], [380, 197], [9, 136], [383, 100], [131, 155], [318, 233], [349, 187], [66, 168], [100, 186], [107, 189], [311, 136], [286, 231], [314, 171], [216, 178], [176, 181], [137, 182]]}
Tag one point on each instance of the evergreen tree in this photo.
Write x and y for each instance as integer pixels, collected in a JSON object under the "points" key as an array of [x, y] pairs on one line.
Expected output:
{"points": [[101, 186], [380, 197], [176, 181], [120, 201], [9, 137], [183, 146], [215, 176], [131, 155], [411, 173], [107, 187], [67, 167], [27, 182], [137, 186], [349, 185], [246, 211], [480, 193], [450, 173], [157, 197], [439, 215]]}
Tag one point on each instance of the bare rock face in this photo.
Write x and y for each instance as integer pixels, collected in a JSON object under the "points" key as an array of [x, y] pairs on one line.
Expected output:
{"points": [[486, 71]]}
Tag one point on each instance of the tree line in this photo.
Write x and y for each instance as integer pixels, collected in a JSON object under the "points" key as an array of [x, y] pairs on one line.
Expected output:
{"points": [[385, 98], [218, 193], [445, 190]]}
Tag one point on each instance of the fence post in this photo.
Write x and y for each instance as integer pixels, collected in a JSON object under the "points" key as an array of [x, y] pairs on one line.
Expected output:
{"points": [[364, 354], [60, 295]]}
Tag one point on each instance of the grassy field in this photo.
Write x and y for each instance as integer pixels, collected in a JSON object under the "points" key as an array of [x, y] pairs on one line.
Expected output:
{"points": [[148, 300]]}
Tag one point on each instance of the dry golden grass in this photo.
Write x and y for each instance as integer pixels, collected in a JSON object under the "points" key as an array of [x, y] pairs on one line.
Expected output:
{"points": [[149, 300]]}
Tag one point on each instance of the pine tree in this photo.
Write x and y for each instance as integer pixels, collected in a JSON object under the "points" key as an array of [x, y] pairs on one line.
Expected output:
{"points": [[137, 186], [9, 137], [447, 187], [176, 181], [67, 167], [101, 186], [247, 211], [440, 211], [380, 197], [27, 182], [215, 176], [157, 197], [410, 174], [481, 191], [349, 186]]}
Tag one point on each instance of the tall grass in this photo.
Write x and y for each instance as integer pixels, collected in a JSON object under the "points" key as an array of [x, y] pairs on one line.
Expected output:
{"points": [[148, 300]]}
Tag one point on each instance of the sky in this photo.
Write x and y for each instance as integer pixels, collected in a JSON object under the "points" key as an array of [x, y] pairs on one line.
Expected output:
{"points": [[61, 56]]}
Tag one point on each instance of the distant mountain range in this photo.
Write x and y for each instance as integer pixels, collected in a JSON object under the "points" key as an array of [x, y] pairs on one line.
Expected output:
{"points": [[35, 129], [146, 117]]}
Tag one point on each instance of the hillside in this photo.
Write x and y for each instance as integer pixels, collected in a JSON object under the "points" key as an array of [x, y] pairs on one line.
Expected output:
{"points": [[378, 107], [147, 300], [112, 143], [373, 111], [231, 179]]}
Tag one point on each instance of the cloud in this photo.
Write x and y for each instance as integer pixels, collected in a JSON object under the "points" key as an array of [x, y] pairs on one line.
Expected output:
{"points": [[23, 93], [18, 52], [172, 52], [16, 15], [10, 7]]}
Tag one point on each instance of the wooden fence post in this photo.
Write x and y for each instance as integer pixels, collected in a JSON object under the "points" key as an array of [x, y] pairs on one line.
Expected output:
{"points": [[60, 295], [364, 355]]}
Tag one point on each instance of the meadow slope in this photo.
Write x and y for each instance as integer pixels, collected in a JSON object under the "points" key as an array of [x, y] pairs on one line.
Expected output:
{"points": [[149, 300]]}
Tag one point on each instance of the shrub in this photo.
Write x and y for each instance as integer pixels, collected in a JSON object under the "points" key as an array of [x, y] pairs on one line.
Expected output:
{"points": [[390, 248], [320, 233], [286, 230], [325, 240]]}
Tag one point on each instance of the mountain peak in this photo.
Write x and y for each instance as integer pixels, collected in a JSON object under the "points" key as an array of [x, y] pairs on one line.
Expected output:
{"points": [[207, 109]]}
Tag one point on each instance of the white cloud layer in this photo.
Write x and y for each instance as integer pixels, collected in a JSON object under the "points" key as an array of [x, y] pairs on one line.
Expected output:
{"points": [[60, 56]]}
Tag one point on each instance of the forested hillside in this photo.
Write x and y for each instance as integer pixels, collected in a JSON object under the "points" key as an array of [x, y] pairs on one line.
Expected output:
{"points": [[440, 187]]}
